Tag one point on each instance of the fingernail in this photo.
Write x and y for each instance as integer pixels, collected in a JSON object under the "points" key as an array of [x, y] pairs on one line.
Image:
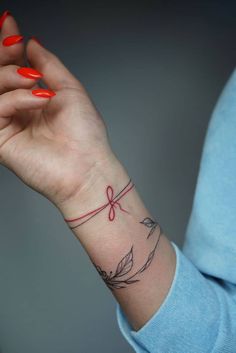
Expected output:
{"points": [[11, 40], [3, 17], [44, 93], [28, 72], [36, 40]]}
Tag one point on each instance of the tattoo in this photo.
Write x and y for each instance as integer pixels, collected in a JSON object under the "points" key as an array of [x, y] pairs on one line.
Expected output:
{"points": [[148, 222], [113, 202], [124, 267]]}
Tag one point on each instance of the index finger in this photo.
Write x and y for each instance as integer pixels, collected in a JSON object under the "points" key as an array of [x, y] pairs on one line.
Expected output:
{"points": [[13, 54]]}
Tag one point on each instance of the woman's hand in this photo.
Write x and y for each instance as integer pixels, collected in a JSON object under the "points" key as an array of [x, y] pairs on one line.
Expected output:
{"points": [[56, 145]]}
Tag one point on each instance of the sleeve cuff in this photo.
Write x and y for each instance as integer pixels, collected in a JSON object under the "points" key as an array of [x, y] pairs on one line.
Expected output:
{"points": [[188, 319]]}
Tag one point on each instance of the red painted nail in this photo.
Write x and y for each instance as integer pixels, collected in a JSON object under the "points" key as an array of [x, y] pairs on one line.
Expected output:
{"points": [[28, 72], [45, 93], [3, 17], [11, 40], [36, 40]]}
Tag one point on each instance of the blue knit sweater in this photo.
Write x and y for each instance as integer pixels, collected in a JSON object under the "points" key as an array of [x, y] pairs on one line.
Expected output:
{"points": [[198, 314]]}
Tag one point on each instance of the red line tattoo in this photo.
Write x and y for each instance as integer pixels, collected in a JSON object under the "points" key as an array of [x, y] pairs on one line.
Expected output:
{"points": [[113, 202]]}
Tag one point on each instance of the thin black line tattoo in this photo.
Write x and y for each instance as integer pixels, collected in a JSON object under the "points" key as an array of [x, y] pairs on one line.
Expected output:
{"points": [[124, 267], [148, 222]]}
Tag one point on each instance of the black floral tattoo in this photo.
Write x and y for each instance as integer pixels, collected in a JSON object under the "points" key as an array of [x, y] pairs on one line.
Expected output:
{"points": [[148, 222], [124, 267]]}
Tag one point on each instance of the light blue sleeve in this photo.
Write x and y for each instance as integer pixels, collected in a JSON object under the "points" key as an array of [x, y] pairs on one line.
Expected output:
{"points": [[198, 314]]}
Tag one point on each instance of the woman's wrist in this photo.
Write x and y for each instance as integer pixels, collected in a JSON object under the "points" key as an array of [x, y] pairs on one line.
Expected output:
{"points": [[92, 194], [124, 242]]}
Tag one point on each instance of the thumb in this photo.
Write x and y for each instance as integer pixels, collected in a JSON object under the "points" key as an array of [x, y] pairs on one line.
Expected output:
{"points": [[55, 74]]}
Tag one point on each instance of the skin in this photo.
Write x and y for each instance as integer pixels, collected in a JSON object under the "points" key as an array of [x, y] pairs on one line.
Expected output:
{"points": [[59, 146]]}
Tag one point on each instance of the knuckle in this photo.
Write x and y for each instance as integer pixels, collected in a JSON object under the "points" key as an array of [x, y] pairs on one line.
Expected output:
{"points": [[16, 95], [10, 69], [12, 55], [6, 74]]}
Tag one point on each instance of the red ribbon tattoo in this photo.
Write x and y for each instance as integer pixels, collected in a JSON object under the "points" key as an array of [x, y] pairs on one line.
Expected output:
{"points": [[113, 202]]}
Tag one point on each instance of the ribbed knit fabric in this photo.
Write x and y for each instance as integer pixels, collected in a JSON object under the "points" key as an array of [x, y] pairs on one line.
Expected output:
{"points": [[198, 314]]}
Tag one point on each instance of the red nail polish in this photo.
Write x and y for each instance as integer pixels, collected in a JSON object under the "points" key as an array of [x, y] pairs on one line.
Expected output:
{"points": [[28, 72], [45, 93], [11, 40], [3, 17], [36, 40]]}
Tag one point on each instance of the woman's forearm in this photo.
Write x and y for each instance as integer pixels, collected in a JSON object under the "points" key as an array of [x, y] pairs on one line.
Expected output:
{"points": [[56, 142], [123, 240]]}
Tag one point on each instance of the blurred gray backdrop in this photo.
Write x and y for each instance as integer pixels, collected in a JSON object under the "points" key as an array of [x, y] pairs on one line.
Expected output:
{"points": [[154, 70]]}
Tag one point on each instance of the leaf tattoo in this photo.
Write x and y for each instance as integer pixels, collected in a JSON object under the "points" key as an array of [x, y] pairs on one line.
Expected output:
{"points": [[149, 260], [114, 281], [125, 265], [148, 222]]}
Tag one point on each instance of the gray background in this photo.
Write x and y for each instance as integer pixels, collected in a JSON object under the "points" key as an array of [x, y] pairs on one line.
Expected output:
{"points": [[154, 70]]}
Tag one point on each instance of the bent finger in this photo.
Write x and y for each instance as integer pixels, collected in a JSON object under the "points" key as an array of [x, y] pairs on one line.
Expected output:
{"points": [[13, 77], [11, 41], [56, 75], [21, 99]]}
